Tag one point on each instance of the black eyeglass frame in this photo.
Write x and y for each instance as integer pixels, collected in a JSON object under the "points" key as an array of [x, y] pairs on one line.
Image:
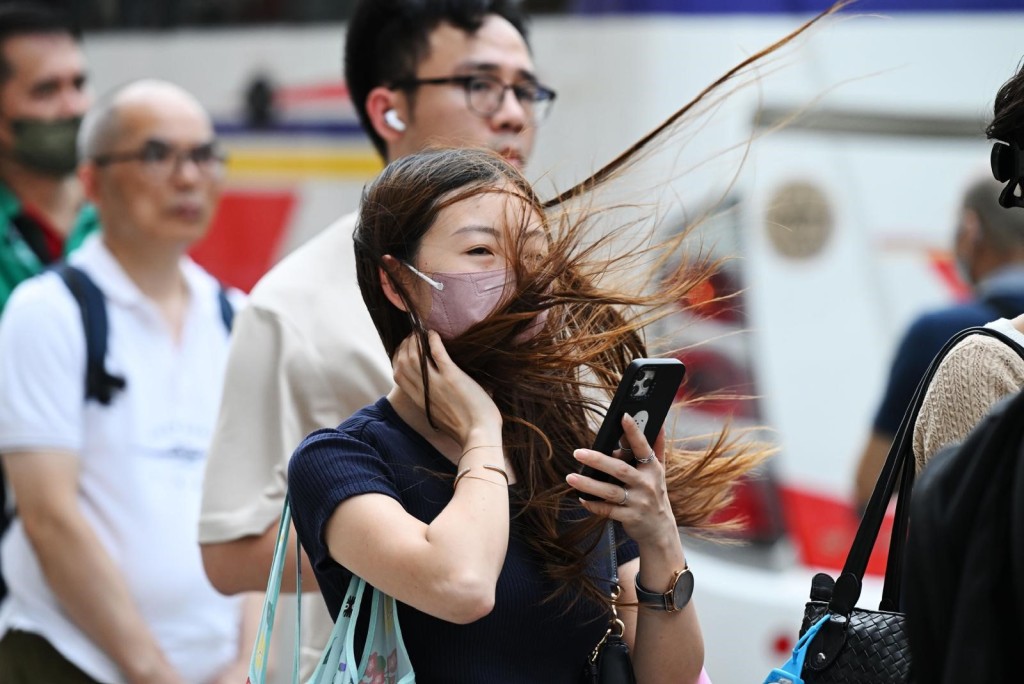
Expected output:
{"points": [[143, 155], [542, 93]]}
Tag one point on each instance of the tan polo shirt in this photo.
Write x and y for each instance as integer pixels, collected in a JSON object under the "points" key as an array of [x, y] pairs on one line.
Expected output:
{"points": [[304, 355]]}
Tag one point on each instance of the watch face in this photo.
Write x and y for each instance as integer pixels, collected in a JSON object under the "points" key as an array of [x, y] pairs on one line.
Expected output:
{"points": [[682, 591]]}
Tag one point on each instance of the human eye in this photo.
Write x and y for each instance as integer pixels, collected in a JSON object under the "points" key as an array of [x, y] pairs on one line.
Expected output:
{"points": [[527, 91], [482, 84], [480, 250], [45, 89], [205, 154], [155, 152]]}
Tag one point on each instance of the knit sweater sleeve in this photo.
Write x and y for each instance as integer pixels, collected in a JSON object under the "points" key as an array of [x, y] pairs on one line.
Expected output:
{"points": [[976, 374]]}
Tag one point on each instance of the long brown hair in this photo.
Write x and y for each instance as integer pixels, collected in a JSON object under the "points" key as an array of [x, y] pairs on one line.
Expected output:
{"points": [[601, 288]]}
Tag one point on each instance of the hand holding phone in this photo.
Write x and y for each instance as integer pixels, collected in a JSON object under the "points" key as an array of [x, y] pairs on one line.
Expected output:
{"points": [[646, 392]]}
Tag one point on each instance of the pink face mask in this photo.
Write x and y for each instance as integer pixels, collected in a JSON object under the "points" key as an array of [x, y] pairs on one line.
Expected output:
{"points": [[460, 300]]}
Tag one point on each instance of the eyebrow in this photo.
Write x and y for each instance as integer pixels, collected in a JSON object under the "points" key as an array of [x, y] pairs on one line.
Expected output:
{"points": [[156, 140], [477, 229], [491, 68], [536, 232]]}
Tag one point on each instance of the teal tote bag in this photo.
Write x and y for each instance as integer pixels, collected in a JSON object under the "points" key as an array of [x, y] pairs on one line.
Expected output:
{"points": [[384, 659]]}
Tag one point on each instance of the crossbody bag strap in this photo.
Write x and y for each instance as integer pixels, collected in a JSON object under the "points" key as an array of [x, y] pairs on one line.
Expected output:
{"points": [[900, 458], [614, 556], [296, 661]]}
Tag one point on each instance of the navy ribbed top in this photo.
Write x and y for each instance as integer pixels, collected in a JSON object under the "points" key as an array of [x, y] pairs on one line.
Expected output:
{"points": [[523, 639]]}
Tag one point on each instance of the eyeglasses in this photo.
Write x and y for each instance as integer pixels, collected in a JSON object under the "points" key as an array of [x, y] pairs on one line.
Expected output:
{"points": [[162, 160], [485, 93]]}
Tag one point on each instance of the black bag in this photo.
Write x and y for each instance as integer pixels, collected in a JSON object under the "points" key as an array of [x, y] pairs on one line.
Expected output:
{"points": [[610, 662], [857, 645]]}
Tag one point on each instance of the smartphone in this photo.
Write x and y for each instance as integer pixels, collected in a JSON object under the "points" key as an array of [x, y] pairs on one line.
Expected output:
{"points": [[646, 392]]}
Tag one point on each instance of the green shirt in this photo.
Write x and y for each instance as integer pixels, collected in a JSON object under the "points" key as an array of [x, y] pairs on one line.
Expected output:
{"points": [[17, 260]]}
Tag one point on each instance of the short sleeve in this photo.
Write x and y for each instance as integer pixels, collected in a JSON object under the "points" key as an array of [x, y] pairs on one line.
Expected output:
{"points": [[915, 352], [329, 467], [42, 368], [975, 374], [256, 431]]}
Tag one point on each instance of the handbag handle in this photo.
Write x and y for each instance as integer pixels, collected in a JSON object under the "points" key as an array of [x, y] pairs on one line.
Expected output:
{"points": [[258, 660], [615, 558], [900, 458]]}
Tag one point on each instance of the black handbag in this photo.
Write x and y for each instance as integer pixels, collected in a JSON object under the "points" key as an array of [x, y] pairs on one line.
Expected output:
{"points": [[857, 645], [610, 663]]}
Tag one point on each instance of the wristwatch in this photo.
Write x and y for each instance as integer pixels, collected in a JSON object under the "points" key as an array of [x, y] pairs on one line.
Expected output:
{"points": [[677, 596]]}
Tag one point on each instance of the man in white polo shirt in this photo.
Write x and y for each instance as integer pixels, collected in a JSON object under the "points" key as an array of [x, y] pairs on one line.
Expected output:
{"points": [[106, 582]]}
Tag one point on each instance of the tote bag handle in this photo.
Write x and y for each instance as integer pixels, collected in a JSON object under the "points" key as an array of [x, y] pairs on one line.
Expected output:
{"points": [[258, 660], [899, 460]]}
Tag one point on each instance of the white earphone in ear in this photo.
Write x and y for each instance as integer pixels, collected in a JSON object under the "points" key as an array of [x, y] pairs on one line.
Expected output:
{"points": [[392, 120]]}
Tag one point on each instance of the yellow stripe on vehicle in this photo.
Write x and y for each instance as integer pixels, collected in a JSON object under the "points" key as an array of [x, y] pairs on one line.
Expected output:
{"points": [[303, 164]]}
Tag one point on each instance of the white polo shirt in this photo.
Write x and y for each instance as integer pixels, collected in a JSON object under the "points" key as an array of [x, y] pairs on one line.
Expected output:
{"points": [[141, 458]]}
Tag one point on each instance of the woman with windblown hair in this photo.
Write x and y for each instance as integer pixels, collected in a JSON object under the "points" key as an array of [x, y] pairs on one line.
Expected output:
{"points": [[458, 493]]}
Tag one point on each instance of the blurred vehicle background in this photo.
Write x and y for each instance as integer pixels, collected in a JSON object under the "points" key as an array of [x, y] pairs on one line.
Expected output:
{"points": [[840, 222]]}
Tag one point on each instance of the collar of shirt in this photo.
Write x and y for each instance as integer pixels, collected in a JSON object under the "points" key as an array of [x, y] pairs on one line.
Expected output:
{"points": [[108, 274], [1008, 280]]}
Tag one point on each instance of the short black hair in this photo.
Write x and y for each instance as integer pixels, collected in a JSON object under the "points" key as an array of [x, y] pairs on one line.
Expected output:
{"points": [[1008, 111], [23, 19], [387, 39]]}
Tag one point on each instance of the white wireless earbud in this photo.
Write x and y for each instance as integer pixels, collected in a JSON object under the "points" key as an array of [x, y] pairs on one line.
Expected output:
{"points": [[392, 120]]}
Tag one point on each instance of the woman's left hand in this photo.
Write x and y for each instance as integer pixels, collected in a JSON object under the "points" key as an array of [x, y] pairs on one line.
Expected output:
{"points": [[637, 497]]}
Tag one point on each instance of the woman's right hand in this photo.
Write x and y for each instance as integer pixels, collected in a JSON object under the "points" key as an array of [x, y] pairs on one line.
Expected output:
{"points": [[459, 406]]}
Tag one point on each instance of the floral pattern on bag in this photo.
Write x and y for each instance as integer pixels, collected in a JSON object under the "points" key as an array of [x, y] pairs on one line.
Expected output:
{"points": [[381, 671]]}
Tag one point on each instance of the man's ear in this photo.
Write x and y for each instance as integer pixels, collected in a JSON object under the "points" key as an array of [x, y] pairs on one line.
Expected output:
{"points": [[380, 101], [386, 272], [88, 176], [970, 224]]}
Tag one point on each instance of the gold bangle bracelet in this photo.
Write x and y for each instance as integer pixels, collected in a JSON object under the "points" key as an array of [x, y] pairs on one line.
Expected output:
{"points": [[484, 479], [462, 474], [478, 446], [496, 469]]}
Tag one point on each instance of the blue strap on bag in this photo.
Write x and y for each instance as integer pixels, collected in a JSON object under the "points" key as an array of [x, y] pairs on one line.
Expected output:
{"points": [[258, 660], [789, 673]]}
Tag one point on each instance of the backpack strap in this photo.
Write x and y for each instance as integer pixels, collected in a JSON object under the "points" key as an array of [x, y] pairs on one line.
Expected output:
{"points": [[227, 312], [99, 384]]}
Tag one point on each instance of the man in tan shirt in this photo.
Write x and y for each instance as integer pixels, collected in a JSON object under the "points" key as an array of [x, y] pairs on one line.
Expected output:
{"points": [[305, 354]]}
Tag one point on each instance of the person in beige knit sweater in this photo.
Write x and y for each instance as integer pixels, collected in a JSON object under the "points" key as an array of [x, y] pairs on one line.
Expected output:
{"points": [[975, 374]]}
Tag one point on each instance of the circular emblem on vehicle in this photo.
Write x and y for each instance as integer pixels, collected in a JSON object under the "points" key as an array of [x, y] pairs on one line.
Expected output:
{"points": [[798, 220]]}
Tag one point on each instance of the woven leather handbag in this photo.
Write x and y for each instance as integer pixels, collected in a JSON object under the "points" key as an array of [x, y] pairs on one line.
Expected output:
{"points": [[857, 645]]}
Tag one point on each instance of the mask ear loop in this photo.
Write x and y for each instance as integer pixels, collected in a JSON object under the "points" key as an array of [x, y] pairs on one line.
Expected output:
{"points": [[430, 281]]}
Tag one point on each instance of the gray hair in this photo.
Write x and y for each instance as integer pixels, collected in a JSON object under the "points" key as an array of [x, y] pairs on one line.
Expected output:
{"points": [[101, 126]]}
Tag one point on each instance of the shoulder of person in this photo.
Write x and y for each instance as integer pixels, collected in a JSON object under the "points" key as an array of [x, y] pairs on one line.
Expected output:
{"points": [[984, 350], [308, 269], [949, 320], [979, 358], [211, 286], [42, 300]]}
